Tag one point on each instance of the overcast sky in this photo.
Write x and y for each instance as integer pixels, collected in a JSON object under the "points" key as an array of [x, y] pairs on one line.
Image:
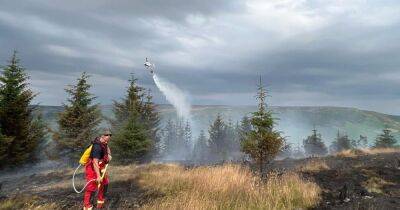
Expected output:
{"points": [[319, 52]]}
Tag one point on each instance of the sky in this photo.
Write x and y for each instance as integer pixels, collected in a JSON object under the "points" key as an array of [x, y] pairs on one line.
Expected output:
{"points": [[308, 53]]}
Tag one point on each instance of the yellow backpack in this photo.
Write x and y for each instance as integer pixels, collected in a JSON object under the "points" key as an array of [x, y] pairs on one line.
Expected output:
{"points": [[85, 156]]}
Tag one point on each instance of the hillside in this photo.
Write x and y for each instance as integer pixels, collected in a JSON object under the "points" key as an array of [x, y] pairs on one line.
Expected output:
{"points": [[295, 122]]}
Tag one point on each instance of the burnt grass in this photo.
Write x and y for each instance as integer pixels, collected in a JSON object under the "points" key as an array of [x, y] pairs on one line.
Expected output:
{"points": [[121, 194], [344, 184]]}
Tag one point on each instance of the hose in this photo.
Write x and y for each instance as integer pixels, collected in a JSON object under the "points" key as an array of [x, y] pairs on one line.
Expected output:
{"points": [[73, 181]]}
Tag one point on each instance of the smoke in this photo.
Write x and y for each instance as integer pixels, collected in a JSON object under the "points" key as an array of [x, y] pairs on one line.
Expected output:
{"points": [[175, 96]]}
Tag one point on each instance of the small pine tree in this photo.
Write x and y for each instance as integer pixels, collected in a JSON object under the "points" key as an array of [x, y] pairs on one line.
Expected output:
{"points": [[131, 142], [5, 142], [245, 127], [17, 120], [384, 140], [201, 149], [262, 143], [132, 104], [170, 138], [342, 142], [151, 115], [362, 141], [39, 131], [177, 139], [234, 137], [151, 120], [314, 145], [77, 124], [233, 144], [180, 147], [187, 138], [136, 108], [218, 139]]}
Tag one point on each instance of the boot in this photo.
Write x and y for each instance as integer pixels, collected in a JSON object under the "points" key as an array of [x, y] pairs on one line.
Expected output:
{"points": [[100, 204]]}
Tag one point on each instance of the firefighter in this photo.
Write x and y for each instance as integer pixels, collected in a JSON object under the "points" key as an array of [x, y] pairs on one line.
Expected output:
{"points": [[94, 169]]}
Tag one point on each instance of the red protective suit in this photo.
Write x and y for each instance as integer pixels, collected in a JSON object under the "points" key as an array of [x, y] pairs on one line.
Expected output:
{"points": [[92, 187]]}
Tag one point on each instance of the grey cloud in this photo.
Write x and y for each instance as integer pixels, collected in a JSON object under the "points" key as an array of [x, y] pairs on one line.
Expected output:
{"points": [[338, 59], [71, 11]]}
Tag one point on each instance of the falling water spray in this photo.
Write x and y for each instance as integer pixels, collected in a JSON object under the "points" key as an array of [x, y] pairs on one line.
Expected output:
{"points": [[174, 95]]}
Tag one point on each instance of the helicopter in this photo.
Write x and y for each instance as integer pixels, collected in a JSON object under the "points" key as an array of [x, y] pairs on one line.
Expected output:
{"points": [[149, 66]]}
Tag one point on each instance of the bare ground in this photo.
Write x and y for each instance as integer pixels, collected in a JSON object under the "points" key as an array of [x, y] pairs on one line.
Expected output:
{"points": [[361, 182]]}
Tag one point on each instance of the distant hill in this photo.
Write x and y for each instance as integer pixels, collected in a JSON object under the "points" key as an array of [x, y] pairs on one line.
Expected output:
{"points": [[295, 122]]}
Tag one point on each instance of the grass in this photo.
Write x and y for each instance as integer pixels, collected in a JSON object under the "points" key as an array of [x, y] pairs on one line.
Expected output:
{"points": [[170, 186], [371, 151], [122, 173], [25, 202], [224, 187], [313, 165], [375, 184], [352, 153]]}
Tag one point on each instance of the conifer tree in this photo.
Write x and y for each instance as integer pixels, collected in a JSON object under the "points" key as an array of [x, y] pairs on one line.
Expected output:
{"points": [[187, 138], [79, 121], [262, 143], [170, 137], [362, 141], [384, 140], [342, 142], [131, 142], [218, 139], [201, 149], [38, 130], [245, 127], [18, 123], [232, 139], [136, 112], [4, 145], [180, 136], [161, 145], [314, 145], [182, 142], [151, 120], [132, 104], [151, 116]]}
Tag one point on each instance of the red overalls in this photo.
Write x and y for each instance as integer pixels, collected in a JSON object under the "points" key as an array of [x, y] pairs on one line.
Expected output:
{"points": [[92, 187]]}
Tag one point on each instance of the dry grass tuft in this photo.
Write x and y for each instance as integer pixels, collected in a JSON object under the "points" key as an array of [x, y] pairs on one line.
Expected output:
{"points": [[224, 187], [313, 165], [26, 202], [360, 152], [375, 184], [122, 173], [351, 153], [382, 150]]}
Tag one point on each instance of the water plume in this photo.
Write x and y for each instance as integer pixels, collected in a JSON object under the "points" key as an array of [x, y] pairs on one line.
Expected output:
{"points": [[175, 96]]}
